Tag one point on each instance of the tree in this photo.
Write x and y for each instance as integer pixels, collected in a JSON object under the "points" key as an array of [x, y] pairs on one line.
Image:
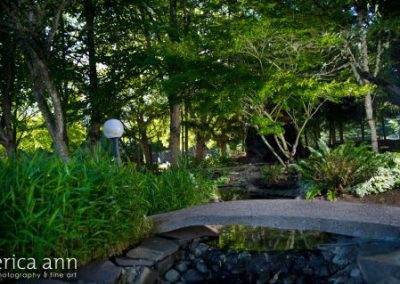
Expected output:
{"points": [[8, 135], [89, 10], [35, 25], [295, 62]]}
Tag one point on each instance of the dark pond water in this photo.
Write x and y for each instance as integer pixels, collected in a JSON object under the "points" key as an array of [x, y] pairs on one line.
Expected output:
{"points": [[247, 238]]}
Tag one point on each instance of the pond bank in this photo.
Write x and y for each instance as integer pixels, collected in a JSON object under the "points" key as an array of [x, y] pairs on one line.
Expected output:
{"points": [[187, 256]]}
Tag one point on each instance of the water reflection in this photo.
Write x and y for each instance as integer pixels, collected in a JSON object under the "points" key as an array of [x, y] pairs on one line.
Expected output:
{"points": [[230, 194], [242, 237]]}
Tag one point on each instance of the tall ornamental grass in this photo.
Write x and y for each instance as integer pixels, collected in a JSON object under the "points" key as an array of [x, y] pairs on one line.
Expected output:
{"points": [[85, 208]]}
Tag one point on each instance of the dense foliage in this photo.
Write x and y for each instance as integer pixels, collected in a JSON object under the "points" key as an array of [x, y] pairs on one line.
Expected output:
{"points": [[383, 180], [86, 208], [334, 171]]}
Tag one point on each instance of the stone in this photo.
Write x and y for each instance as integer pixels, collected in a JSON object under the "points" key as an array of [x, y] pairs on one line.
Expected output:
{"points": [[323, 271], [340, 260], [194, 244], [129, 274], [154, 249], [192, 276], [146, 276], [172, 275], [200, 249], [126, 261], [182, 266], [100, 271], [202, 267], [215, 268], [355, 273], [379, 267], [165, 264]]}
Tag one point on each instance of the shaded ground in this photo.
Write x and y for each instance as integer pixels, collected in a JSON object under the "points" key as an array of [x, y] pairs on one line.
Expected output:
{"points": [[391, 198]]}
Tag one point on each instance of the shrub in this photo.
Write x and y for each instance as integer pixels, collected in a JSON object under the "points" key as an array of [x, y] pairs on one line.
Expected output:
{"points": [[330, 172], [86, 208], [385, 179]]}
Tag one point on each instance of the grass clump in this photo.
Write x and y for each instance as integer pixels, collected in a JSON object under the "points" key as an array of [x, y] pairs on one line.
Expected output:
{"points": [[86, 208]]}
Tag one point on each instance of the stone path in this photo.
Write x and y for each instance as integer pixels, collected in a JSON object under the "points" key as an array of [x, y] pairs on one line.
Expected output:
{"points": [[351, 219]]}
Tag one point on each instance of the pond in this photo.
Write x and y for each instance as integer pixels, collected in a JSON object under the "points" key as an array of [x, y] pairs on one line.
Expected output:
{"points": [[247, 238], [244, 254]]}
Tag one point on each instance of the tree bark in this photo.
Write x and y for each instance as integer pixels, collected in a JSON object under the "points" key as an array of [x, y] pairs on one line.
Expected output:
{"points": [[371, 122], [144, 140], [54, 121], [223, 148], [186, 117], [341, 132], [175, 129], [363, 63], [95, 113], [200, 146], [175, 106], [362, 130], [7, 127], [383, 128], [36, 45]]}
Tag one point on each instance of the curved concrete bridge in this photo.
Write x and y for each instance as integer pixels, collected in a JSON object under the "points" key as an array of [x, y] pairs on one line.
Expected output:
{"points": [[352, 219]]}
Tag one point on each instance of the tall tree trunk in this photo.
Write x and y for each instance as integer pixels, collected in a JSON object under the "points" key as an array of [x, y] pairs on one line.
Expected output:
{"points": [[175, 106], [222, 147], [363, 64], [186, 117], [36, 45], [146, 149], [200, 146], [306, 142], [7, 128], [362, 130], [383, 128], [371, 122], [54, 121], [175, 129], [332, 132], [144, 139], [95, 113], [341, 132]]}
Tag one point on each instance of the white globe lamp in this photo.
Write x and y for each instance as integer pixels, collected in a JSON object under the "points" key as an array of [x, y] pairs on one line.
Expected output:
{"points": [[113, 129]]}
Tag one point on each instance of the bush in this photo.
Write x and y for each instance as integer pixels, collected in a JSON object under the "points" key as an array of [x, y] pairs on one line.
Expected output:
{"points": [[330, 172], [385, 179], [86, 208]]}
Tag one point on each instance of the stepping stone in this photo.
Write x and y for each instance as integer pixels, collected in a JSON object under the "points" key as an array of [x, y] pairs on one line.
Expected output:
{"points": [[154, 249], [100, 271], [126, 261]]}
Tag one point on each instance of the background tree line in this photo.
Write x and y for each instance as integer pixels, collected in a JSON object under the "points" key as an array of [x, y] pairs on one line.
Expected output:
{"points": [[197, 71]]}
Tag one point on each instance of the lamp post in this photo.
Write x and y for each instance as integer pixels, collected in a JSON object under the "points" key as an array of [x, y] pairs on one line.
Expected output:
{"points": [[113, 129]]}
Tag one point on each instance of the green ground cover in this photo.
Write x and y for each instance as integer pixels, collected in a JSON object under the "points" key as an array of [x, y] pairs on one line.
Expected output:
{"points": [[87, 208]]}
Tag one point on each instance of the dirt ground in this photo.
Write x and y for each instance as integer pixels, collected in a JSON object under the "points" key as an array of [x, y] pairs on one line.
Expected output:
{"points": [[391, 198]]}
